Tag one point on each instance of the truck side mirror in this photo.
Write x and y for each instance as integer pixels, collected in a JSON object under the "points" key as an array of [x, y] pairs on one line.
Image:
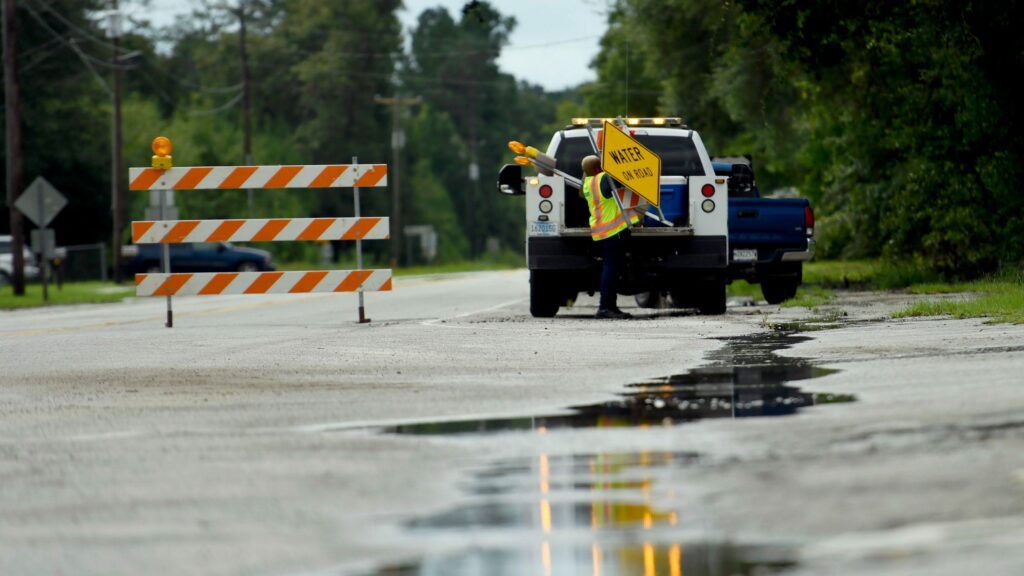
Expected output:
{"points": [[510, 180]]}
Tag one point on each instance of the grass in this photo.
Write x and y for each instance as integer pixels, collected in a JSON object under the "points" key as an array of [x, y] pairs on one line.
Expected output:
{"points": [[1001, 299], [744, 288], [810, 297], [71, 293], [867, 274]]}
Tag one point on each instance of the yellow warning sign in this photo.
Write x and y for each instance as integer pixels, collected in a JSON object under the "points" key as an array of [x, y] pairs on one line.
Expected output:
{"points": [[636, 166]]}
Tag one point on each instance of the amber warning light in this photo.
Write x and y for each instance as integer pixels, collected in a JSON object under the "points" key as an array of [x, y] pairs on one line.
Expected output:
{"points": [[162, 148]]}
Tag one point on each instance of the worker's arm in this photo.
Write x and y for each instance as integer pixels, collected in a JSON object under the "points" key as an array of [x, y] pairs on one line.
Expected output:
{"points": [[607, 187]]}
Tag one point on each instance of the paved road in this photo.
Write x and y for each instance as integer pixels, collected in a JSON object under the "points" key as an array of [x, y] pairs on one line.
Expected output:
{"points": [[247, 439]]}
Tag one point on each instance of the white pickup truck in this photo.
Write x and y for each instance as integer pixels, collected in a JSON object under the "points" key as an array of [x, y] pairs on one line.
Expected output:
{"points": [[688, 259]]}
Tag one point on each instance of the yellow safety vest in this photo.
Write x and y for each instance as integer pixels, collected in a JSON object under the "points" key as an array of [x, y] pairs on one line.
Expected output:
{"points": [[606, 219]]}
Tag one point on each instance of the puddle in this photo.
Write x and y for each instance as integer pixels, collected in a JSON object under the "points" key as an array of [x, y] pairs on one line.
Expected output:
{"points": [[745, 378], [599, 513], [650, 559], [612, 514]]}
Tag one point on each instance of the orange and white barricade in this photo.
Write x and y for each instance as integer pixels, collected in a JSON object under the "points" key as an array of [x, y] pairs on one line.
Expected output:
{"points": [[256, 177], [216, 283], [163, 176]]}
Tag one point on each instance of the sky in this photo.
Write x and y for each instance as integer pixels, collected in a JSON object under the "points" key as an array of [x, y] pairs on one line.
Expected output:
{"points": [[552, 45]]}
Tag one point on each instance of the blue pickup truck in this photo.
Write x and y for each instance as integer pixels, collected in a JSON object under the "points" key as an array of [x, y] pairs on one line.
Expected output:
{"points": [[769, 238]]}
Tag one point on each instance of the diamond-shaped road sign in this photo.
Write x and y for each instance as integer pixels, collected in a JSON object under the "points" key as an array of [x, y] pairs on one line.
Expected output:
{"points": [[634, 165], [41, 202]]}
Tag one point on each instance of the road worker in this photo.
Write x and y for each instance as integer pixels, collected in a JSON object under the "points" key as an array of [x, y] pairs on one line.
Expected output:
{"points": [[609, 228]]}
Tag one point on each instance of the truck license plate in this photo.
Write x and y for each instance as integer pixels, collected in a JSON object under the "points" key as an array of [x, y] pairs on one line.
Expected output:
{"points": [[543, 229], [744, 255]]}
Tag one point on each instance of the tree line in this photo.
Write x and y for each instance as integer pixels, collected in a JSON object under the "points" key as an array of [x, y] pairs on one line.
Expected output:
{"points": [[316, 71], [900, 120]]}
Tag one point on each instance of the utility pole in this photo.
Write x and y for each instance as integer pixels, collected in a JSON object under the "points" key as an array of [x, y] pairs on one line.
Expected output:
{"points": [[12, 114], [246, 122], [117, 197], [397, 141]]}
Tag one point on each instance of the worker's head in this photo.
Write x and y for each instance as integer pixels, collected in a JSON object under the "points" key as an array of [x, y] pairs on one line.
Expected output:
{"points": [[591, 165]]}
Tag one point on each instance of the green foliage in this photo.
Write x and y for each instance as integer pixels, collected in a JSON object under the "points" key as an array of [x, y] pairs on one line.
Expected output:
{"points": [[453, 66], [65, 116], [897, 119], [313, 78], [69, 293], [1001, 299], [435, 141]]}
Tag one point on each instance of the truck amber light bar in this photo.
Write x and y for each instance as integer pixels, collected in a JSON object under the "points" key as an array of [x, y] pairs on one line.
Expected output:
{"points": [[660, 121]]}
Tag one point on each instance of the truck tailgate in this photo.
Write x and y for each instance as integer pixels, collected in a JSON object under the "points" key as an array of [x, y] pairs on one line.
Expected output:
{"points": [[767, 222]]}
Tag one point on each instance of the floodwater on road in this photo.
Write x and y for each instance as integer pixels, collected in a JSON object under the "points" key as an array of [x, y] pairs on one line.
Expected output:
{"points": [[604, 513], [745, 378]]}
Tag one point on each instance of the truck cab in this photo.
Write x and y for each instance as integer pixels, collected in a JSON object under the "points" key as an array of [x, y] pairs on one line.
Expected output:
{"points": [[683, 251]]}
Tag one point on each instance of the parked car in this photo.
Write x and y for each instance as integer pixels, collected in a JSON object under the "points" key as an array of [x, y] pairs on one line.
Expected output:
{"points": [[198, 257], [7, 261]]}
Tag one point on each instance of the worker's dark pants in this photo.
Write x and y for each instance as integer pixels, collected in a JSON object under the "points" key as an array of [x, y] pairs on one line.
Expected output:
{"points": [[613, 253]]}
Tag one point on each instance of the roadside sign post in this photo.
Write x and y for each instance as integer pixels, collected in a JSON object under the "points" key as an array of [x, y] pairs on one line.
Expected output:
{"points": [[45, 268], [43, 243], [41, 203]]}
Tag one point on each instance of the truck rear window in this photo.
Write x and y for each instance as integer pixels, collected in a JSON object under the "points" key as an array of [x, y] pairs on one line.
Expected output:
{"points": [[679, 155]]}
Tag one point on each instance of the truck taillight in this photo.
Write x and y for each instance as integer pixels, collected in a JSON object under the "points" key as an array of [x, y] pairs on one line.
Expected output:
{"points": [[809, 220], [545, 191], [707, 190]]}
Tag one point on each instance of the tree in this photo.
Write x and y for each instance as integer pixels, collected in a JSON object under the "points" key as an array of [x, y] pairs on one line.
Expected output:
{"points": [[63, 61]]}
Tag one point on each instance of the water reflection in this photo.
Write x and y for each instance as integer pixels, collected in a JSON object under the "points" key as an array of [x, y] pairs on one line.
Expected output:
{"points": [[617, 526], [606, 513]]}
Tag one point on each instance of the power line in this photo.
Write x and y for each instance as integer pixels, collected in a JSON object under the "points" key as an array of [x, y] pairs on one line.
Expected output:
{"points": [[218, 109], [39, 47], [84, 33], [167, 98], [68, 43]]}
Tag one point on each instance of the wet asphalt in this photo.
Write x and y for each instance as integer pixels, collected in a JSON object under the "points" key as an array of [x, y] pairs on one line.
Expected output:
{"points": [[457, 435]]}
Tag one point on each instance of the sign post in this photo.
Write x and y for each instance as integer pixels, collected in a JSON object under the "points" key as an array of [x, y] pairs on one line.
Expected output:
{"points": [[359, 251], [41, 203], [165, 255]]}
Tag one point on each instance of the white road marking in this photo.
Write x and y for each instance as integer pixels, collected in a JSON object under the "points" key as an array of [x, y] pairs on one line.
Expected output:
{"points": [[435, 321]]}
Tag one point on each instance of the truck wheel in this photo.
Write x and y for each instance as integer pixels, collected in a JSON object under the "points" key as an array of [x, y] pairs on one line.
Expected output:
{"points": [[778, 291], [711, 299], [648, 299], [545, 294]]}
